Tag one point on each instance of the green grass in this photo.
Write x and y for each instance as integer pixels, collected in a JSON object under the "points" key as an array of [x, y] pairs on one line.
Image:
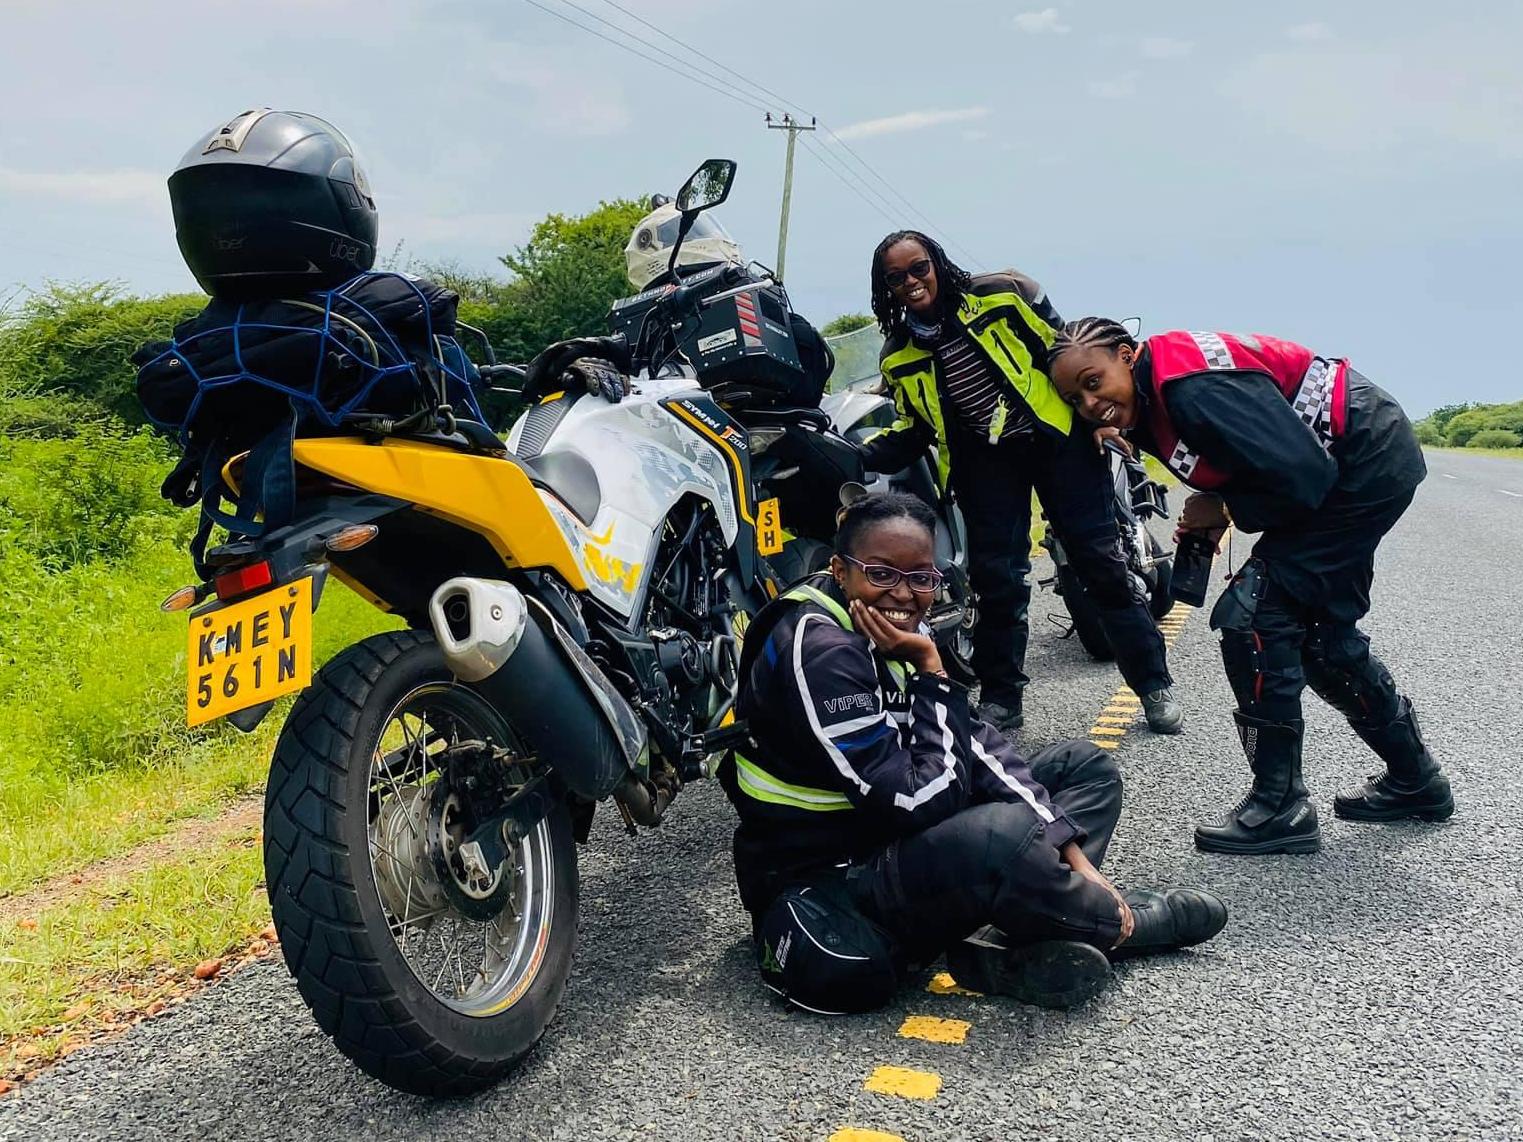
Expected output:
{"points": [[81, 964], [1506, 453], [94, 753]]}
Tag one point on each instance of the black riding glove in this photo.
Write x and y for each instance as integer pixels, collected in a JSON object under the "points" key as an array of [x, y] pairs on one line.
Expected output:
{"points": [[599, 377]]}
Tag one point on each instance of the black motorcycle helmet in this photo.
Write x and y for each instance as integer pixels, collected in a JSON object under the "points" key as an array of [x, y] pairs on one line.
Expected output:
{"points": [[273, 203]]}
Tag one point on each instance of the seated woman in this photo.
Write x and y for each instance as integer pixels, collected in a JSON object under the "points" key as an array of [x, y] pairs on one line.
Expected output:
{"points": [[1323, 463], [881, 823]]}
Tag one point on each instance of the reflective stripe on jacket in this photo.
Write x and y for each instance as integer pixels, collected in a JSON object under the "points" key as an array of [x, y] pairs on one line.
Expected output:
{"points": [[1013, 324], [851, 749]]}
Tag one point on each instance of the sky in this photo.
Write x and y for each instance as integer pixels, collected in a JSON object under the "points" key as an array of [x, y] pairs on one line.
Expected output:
{"points": [[1347, 175]]}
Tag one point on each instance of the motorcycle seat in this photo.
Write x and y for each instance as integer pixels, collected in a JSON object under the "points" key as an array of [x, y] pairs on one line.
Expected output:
{"points": [[570, 479]]}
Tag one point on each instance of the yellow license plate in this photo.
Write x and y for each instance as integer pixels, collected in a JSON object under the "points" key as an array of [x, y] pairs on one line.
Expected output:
{"points": [[249, 652], [769, 527]]}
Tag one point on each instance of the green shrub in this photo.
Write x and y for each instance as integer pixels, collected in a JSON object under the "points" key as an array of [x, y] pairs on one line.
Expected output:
{"points": [[1478, 418], [69, 500], [1495, 438], [846, 323], [1427, 432], [69, 346]]}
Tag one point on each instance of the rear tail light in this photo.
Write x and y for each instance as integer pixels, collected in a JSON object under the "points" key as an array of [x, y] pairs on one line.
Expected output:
{"points": [[231, 584]]}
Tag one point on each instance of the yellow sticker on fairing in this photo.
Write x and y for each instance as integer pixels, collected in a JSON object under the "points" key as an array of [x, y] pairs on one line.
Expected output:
{"points": [[769, 527]]}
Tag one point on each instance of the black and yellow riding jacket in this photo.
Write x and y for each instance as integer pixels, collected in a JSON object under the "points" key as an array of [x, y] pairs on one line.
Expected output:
{"points": [[1013, 324], [851, 750]]}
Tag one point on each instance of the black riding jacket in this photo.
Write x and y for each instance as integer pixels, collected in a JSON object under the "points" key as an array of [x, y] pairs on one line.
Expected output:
{"points": [[851, 749]]}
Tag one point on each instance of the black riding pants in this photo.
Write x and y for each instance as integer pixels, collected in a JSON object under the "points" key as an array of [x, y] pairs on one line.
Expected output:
{"points": [[994, 485], [1290, 617], [992, 864]]}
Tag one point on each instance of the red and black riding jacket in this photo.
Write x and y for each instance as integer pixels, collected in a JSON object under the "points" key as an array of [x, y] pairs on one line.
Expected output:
{"points": [[1316, 387]]}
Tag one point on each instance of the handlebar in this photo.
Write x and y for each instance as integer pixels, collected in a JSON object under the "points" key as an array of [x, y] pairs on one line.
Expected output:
{"points": [[491, 374]]}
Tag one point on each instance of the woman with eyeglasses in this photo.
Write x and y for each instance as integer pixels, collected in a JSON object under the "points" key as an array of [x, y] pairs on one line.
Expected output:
{"points": [[965, 358], [881, 823]]}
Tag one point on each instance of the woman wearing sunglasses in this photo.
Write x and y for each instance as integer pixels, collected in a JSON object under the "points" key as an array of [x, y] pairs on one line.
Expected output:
{"points": [[965, 358], [881, 823]]}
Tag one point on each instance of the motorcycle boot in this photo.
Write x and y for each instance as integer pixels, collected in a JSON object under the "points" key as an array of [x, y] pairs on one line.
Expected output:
{"points": [[1165, 921], [1275, 816], [1003, 712], [1056, 974], [1413, 785], [1164, 713]]}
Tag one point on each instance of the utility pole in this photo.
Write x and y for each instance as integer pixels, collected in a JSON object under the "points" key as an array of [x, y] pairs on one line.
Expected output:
{"points": [[793, 127]]}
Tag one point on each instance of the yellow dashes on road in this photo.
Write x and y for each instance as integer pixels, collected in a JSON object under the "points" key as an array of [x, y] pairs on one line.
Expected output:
{"points": [[942, 983], [934, 1030], [904, 1082], [852, 1134]]}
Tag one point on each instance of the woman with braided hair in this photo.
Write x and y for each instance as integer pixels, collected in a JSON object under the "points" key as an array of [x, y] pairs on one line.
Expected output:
{"points": [[881, 823], [965, 358], [1308, 452]]}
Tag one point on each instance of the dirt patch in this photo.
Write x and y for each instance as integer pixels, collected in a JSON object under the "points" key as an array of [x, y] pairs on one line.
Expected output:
{"points": [[240, 816]]}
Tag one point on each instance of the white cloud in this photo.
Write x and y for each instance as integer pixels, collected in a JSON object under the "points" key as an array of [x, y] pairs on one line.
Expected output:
{"points": [[1165, 47], [910, 121], [131, 186], [1043, 23], [1123, 86], [1315, 30]]}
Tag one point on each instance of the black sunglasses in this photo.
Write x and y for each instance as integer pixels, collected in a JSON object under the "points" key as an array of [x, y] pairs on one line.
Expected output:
{"points": [[884, 577], [918, 270]]}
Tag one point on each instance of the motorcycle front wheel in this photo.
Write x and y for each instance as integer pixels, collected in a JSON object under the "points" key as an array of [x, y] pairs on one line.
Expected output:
{"points": [[435, 973], [1085, 616]]}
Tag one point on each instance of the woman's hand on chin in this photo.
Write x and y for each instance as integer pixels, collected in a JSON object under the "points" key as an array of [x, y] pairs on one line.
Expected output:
{"points": [[907, 646]]}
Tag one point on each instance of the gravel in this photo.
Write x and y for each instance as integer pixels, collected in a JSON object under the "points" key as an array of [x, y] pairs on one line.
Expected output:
{"points": [[1369, 991]]}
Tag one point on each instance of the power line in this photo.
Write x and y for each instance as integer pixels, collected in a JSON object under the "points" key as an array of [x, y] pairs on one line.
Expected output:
{"points": [[728, 89], [843, 176], [704, 55], [913, 209], [726, 92]]}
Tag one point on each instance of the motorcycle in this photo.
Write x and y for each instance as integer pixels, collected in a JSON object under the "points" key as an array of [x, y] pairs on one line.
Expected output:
{"points": [[730, 328], [1137, 498], [574, 601]]}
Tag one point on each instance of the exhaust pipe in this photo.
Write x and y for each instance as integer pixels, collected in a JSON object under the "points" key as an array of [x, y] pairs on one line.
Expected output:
{"points": [[511, 649]]}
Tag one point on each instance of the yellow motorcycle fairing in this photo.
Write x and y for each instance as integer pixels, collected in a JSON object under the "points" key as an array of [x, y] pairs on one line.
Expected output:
{"points": [[488, 495]]}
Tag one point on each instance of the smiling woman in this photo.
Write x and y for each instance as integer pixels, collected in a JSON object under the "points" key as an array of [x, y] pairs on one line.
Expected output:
{"points": [[966, 359], [880, 820]]}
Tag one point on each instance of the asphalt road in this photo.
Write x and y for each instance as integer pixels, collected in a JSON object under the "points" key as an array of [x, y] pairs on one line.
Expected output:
{"points": [[1370, 991]]}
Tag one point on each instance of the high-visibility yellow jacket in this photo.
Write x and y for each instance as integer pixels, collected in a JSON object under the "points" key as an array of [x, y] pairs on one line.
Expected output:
{"points": [[1012, 323]]}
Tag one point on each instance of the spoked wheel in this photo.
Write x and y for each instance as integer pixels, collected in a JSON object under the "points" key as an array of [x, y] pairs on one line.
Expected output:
{"points": [[429, 943]]}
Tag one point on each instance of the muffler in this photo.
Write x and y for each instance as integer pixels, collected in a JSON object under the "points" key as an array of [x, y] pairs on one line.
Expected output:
{"points": [[511, 649]]}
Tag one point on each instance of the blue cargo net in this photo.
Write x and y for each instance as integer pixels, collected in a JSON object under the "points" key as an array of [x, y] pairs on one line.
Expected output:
{"points": [[335, 357]]}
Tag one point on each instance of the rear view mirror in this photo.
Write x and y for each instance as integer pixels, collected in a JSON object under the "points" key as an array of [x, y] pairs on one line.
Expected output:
{"points": [[708, 186]]}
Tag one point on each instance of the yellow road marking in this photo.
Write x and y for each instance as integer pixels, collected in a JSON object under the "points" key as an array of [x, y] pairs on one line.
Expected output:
{"points": [[934, 1030], [942, 983], [1104, 744], [852, 1134], [903, 1082], [1115, 720], [1108, 731]]}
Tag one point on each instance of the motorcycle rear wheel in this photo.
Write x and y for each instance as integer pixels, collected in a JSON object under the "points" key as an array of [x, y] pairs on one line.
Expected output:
{"points": [[1085, 616], [445, 998]]}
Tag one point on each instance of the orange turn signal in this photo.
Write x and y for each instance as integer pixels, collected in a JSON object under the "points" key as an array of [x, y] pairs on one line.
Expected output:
{"points": [[351, 536], [181, 600]]}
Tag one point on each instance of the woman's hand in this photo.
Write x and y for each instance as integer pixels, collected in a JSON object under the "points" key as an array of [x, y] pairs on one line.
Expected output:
{"points": [[1074, 857], [916, 649], [1110, 434], [1205, 513]]}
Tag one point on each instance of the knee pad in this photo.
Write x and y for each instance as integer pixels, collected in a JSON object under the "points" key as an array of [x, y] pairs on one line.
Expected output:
{"points": [[819, 953], [1343, 672]]}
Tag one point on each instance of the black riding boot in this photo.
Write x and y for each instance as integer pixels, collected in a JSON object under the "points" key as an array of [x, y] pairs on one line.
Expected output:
{"points": [[1412, 785], [1276, 815]]}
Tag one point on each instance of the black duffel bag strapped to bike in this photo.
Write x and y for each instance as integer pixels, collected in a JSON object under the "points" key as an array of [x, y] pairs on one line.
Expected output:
{"points": [[374, 354]]}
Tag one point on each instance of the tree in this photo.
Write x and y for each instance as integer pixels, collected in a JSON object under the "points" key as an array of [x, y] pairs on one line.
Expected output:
{"points": [[565, 277], [846, 323]]}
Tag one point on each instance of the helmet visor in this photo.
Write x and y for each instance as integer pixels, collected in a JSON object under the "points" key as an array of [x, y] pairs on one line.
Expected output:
{"points": [[704, 226]]}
